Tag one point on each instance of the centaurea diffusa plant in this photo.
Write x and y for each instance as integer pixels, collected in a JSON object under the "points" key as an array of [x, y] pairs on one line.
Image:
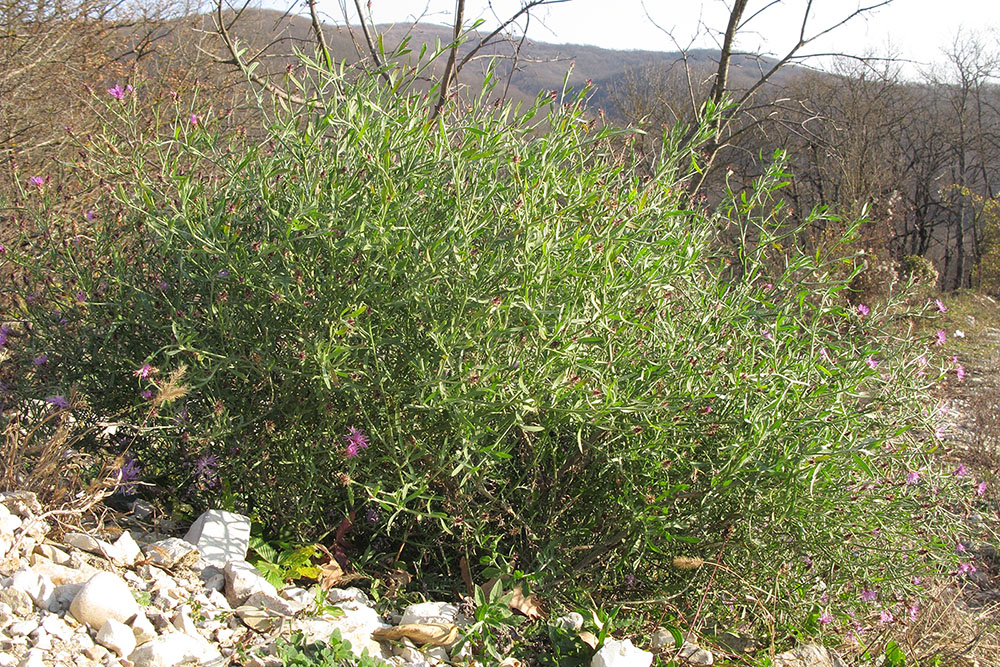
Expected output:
{"points": [[560, 364]]}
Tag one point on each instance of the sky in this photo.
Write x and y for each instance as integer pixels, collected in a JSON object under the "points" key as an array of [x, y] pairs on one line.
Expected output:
{"points": [[917, 31]]}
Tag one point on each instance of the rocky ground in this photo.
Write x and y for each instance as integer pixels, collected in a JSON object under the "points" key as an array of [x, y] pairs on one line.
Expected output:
{"points": [[131, 597]]}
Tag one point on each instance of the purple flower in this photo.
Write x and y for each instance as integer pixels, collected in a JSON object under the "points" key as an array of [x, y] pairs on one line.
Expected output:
{"points": [[940, 337], [351, 450], [37, 181], [223, 274], [825, 356], [959, 547], [128, 474], [872, 362], [961, 471], [913, 477], [143, 372], [913, 609], [205, 468], [966, 568], [768, 335], [372, 515], [40, 359], [206, 464], [868, 595], [194, 119], [825, 618], [885, 618], [356, 438], [147, 394], [90, 215], [81, 297], [117, 92], [917, 581], [960, 372], [163, 285], [981, 489], [58, 401], [4, 332], [863, 310], [940, 306]]}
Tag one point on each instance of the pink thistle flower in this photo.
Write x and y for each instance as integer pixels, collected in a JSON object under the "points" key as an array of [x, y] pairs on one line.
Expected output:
{"points": [[825, 618], [351, 450], [863, 310], [868, 595], [939, 433], [940, 305], [913, 610], [913, 477], [872, 362], [885, 618], [58, 401], [143, 372], [117, 92], [959, 547], [966, 568], [90, 216], [940, 337], [917, 581], [194, 119], [37, 181], [147, 394], [961, 471], [767, 334], [960, 372], [357, 438], [981, 489]]}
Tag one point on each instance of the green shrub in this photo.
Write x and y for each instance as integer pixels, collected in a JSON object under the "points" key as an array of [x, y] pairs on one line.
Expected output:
{"points": [[486, 335]]}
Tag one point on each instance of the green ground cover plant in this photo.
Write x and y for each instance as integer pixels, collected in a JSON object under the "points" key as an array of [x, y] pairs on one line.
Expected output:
{"points": [[485, 336]]}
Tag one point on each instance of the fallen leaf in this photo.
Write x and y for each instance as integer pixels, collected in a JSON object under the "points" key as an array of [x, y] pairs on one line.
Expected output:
{"points": [[525, 605], [511, 662], [331, 575], [588, 638], [433, 634]]}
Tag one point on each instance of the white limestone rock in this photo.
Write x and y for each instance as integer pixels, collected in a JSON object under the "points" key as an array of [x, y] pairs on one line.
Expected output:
{"points": [[174, 649], [142, 629], [117, 636], [220, 536], [696, 656], [173, 553], [243, 580], [617, 653], [92, 545], [104, 596], [127, 548], [811, 655], [429, 612], [37, 586]]}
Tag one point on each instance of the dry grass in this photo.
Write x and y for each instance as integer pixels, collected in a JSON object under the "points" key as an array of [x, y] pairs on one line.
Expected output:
{"points": [[948, 631], [38, 455]]}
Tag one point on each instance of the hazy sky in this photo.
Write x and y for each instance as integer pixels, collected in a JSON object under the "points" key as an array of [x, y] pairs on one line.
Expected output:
{"points": [[913, 29]]}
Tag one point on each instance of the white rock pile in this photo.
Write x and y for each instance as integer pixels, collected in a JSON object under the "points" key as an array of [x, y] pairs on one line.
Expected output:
{"points": [[140, 601]]}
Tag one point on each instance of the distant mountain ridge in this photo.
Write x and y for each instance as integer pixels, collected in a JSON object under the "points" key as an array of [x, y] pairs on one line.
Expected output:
{"points": [[540, 66]]}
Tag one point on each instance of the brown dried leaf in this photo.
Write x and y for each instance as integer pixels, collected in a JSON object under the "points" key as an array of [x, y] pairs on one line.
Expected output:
{"points": [[588, 638], [525, 605], [422, 634], [332, 575]]}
